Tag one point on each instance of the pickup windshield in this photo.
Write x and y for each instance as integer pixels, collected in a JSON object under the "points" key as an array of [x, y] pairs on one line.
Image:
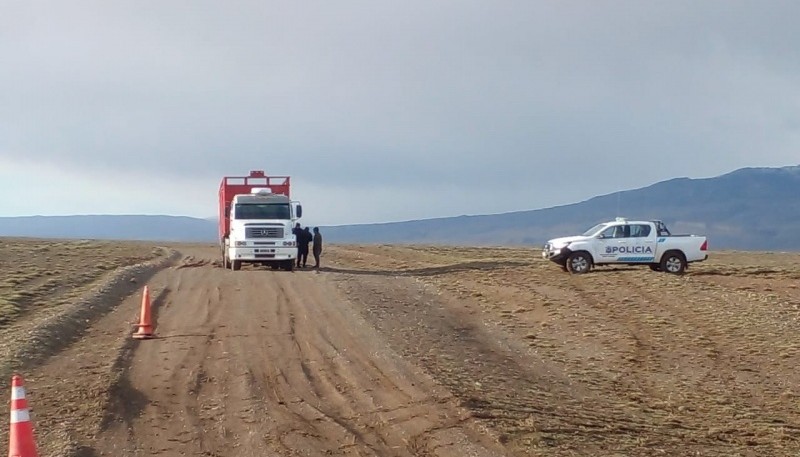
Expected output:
{"points": [[262, 211], [595, 230]]}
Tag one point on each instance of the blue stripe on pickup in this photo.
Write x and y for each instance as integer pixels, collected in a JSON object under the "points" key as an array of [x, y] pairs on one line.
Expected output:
{"points": [[635, 259]]}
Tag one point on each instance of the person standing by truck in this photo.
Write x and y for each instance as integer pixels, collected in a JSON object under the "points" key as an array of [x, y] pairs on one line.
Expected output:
{"points": [[298, 235], [303, 238], [308, 238], [317, 247]]}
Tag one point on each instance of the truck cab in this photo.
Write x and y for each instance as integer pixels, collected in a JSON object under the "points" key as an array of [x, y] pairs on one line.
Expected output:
{"points": [[256, 220], [630, 243]]}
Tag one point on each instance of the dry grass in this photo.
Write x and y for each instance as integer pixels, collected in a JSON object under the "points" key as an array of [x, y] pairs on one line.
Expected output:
{"points": [[39, 274]]}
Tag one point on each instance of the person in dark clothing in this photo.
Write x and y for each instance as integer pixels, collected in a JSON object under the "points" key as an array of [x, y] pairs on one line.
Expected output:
{"points": [[317, 247], [305, 238], [297, 231]]}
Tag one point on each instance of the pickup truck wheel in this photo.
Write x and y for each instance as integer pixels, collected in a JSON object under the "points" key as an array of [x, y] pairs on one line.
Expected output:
{"points": [[236, 265], [579, 263], [673, 262]]}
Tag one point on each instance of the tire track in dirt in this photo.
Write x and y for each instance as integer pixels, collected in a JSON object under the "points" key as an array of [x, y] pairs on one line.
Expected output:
{"points": [[463, 352], [654, 364], [275, 363], [353, 406], [678, 370], [179, 392], [493, 376]]}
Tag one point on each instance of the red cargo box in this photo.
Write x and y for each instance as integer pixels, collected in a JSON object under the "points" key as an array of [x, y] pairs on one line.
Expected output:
{"points": [[235, 185]]}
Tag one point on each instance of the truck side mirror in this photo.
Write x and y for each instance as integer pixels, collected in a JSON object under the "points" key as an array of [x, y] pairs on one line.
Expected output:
{"points": [[299, 211]]}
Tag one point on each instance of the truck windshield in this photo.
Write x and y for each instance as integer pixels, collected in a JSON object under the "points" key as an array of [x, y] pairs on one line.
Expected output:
{"points": [[594, 230], [262, 211]]}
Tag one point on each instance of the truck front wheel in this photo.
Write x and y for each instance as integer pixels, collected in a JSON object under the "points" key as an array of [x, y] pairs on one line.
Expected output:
{"points": [[579, 263], [236, 265], [673, 262]]}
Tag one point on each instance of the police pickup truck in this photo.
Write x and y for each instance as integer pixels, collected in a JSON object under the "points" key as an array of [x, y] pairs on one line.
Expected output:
{"points": [[628, 243]]}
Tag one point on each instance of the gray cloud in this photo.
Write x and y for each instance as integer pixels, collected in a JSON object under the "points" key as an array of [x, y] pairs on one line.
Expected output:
{"points": [[439, 108]]}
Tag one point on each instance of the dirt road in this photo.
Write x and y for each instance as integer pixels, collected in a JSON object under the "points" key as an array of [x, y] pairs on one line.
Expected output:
{"points": [[412, 351], [256, 363]]}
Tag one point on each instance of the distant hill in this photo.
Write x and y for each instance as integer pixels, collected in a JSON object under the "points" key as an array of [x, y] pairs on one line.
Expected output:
{"points": [[108, 227], [751, 208]]}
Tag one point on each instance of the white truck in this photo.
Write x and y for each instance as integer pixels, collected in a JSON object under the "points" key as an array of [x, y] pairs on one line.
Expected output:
{"points": [[256, 217], [628, 243]]}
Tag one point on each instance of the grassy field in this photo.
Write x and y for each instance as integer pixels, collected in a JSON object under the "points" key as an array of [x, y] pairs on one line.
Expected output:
{"points": [[39, 274]]}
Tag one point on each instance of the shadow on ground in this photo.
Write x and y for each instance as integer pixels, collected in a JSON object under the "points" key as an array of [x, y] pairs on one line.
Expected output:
{"points": [[432, 271]]}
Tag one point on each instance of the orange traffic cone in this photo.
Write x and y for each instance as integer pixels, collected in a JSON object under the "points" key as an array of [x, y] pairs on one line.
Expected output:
{"points": [[145, 326], [20, 433]]}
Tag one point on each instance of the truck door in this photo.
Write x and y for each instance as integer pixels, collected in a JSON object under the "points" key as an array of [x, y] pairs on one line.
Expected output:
{"points": [[612, 244], [642, 243]]}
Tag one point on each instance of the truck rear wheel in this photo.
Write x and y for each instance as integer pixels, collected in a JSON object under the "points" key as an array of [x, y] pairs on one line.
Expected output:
{"points": [[673, 262], [579, 263]]}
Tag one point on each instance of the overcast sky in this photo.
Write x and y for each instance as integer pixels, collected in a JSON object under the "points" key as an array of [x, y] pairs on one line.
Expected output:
{"points": [[385, 111]]}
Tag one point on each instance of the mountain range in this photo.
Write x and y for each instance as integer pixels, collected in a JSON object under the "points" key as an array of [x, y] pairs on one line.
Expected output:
{"points": [[748, 209]]}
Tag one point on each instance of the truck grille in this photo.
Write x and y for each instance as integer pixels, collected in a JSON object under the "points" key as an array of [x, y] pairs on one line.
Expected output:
{"points": [[263, 232]]}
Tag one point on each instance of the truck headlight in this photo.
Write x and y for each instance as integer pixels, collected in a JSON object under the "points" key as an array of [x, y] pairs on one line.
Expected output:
{"points": [[240, 244]]}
